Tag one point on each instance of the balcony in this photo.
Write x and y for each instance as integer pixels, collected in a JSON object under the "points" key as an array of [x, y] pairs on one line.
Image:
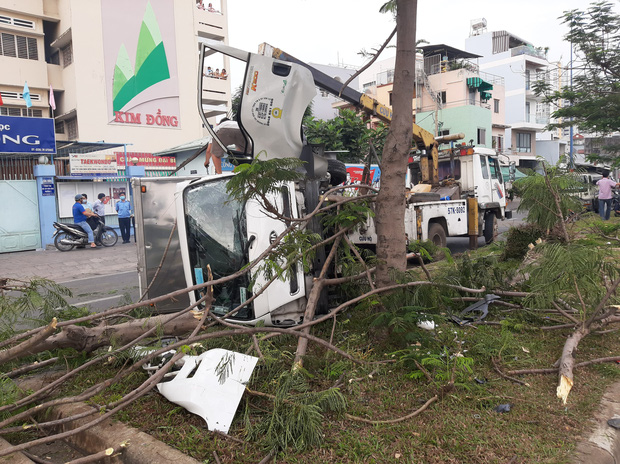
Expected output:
{"points": [[528, 50], [210, 25]]}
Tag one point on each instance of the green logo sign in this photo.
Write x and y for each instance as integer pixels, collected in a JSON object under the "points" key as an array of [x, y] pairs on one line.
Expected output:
{"points": [[151, 63]]}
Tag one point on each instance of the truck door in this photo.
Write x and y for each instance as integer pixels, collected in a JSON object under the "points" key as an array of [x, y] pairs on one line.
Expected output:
{"points": [[498, 190], [485, 186]]}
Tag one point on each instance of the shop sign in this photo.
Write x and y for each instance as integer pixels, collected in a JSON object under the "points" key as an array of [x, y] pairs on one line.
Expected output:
{"points": [[27, 135], [150, 162], [82, 164]]}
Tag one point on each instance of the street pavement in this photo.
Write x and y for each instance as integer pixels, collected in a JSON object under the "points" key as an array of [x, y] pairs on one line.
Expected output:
{"points": [[99, 278], [66, 266]]}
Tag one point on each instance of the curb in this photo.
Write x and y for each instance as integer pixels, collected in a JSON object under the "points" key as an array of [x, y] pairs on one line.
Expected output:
{"points": [[15, 458], [603, 444], [142, 449]]}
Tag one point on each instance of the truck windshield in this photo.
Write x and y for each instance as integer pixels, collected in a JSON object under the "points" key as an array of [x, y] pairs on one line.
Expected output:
{"points": [[216, 231]]}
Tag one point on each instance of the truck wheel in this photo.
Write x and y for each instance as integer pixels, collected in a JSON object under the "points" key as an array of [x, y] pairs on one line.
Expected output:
{"points": [[337, 170], [490, 228], [437, 235]]}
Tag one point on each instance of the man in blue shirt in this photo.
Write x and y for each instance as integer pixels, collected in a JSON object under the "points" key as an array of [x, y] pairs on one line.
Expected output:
{"points": [[80, 214], [123, 208]]}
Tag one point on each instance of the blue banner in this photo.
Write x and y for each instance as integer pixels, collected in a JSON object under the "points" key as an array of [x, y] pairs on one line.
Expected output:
{"points": [[27, 135]]}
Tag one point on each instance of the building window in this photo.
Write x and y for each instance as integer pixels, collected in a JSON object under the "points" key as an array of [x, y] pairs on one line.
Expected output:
{"points": [[443, 97], [390, 98], [21, 112], [524, 143], [59, 127], [7, 111], [528, 79], [498, 142], [472, 96], [482, 134], [496, 105], [55, 58], [16, 22], [369, 84], [72, 129], [67, 55], [527, 111], [444, 132], [18, 46]]}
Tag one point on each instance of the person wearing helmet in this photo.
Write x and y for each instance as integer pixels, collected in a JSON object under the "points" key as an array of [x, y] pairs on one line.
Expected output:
{"points": [[80, 214]]}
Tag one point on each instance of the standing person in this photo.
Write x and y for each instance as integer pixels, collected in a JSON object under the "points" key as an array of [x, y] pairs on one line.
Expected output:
{"points": [[229, 133], [80, 214], [604, 195], [99, 207], [123, 208]]}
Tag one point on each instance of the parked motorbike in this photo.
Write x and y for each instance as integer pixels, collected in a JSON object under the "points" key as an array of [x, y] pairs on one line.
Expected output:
{"points": [[615, 202], [68, 236]]}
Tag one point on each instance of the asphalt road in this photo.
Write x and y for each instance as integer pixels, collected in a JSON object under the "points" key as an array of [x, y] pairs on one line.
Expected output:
{"points": [[461, 244], [105, 291]]}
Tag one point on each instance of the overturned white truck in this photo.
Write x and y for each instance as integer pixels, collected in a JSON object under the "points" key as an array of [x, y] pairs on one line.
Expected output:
{"points": [[226, 235]]}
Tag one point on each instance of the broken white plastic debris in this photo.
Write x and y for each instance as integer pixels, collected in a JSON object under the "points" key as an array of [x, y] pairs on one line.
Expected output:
{"points": [[426, 325], [211, 385]]}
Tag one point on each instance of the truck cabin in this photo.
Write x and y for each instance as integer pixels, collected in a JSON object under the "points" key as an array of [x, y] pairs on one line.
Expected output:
{"points": [[466, 166]]}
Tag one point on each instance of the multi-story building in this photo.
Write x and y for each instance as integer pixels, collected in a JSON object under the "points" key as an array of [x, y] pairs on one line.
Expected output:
{"points": [[122, 75], [120, 71], [451, 95], [520, 64]]}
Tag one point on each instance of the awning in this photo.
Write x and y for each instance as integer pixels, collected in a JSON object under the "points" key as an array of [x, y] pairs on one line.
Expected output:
{"points": [[63, 148], [478, 83], [485, 96]]}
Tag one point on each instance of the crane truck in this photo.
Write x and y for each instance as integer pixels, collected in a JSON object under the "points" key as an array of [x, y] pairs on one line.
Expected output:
{"points": [[187, 224]]}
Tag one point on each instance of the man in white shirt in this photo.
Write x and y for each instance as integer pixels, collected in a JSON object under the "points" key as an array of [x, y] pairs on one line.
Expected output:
{"points": [[99, 207]]}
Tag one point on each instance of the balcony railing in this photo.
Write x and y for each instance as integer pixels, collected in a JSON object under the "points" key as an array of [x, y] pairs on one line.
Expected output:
{"points": [[387, 77], [537, 118], [527, 50]]}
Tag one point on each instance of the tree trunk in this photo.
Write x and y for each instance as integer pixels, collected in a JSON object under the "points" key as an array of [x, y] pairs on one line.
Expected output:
{"points": [[390, 207]]}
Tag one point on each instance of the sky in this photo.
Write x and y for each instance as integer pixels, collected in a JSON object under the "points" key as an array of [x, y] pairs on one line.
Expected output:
{"points": [[334, 31]]}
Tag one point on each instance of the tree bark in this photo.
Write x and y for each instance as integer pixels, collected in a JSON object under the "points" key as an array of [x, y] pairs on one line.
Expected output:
{"points": [[390, 207]]}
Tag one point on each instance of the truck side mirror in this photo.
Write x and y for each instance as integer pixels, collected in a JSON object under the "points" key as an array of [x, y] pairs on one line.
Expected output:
{"points": [[512, 172]]}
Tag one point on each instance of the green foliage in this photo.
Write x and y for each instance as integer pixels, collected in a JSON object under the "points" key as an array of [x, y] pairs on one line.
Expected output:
{"points": [[262, 179], [592, 102], [348, 132], [518, 239], [443, 367], [425, 248], [477, 271], [348, 215], [562, 267], [538, 199], [9, 393], [296, 417], [33, 304]]}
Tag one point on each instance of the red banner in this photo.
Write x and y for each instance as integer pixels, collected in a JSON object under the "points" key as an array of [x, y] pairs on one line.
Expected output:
{"points": [[165, 163]]}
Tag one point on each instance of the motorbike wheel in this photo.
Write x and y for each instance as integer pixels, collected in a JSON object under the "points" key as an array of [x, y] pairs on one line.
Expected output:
{"points": [[62, 246], [109, 237]]}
